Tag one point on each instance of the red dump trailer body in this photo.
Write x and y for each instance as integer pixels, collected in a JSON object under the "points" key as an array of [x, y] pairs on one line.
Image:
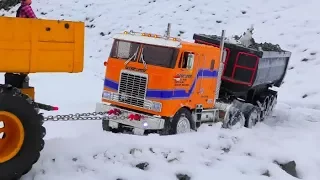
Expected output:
{"points": [[248, 69]]}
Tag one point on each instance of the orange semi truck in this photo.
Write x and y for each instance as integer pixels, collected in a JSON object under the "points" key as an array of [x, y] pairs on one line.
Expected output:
{"points": [[160, 84]]}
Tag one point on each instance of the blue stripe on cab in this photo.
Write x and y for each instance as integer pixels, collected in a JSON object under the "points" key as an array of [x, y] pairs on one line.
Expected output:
{"points": [[169, 94]]}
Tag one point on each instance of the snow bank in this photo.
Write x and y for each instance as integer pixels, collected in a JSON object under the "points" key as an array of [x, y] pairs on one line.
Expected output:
{"points": [[210, 153]]}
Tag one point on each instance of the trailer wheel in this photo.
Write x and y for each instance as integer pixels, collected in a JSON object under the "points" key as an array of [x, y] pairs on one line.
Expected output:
{"points": [[182, 122], [21, 135], [234, 117], [271, 104], [252, 115], [265, 101]]}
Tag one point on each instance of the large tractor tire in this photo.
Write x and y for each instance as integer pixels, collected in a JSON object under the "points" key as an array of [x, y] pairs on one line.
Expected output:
{"points": [[21, 134]]}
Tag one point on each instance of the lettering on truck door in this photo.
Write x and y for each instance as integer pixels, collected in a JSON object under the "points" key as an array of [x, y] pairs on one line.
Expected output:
{"points": [[186, 75]]}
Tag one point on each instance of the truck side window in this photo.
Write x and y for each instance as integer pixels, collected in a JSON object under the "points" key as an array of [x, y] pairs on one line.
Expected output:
{"points": [[186, 61], [190, 61]]}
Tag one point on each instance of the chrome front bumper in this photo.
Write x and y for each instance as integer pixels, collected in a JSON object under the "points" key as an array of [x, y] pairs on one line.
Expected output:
{"points": [[139, 126]]}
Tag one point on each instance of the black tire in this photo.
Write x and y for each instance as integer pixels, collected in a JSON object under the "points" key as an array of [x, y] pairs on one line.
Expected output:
{"points": [[248, 111], [264, 102], [234, 118], [11, 100], [105, 125], [174, 123]]}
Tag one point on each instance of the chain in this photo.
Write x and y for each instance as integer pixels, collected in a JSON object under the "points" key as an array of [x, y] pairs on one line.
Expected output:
{"points": [[76, 117]]}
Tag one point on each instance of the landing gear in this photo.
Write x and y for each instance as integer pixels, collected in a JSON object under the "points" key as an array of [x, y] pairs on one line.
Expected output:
{"points": [[21, 134]]}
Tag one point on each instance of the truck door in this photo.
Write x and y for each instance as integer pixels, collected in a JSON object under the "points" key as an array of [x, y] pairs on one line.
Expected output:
{"points": [[186, 75]]}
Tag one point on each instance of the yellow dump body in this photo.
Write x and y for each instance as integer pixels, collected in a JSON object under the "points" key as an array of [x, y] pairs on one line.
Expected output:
{"points": [[38, 45]]}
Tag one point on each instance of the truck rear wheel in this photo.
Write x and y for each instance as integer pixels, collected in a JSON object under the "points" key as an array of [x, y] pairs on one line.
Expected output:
{"points": [[252, 115], [21, 134], [234, 118]]}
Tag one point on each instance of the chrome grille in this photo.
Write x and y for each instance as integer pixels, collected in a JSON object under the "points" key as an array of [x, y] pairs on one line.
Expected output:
{"points": [[132, 88]]}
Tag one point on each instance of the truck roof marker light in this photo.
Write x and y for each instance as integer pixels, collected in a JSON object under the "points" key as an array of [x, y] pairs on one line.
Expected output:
{"points": [[126, 32]]}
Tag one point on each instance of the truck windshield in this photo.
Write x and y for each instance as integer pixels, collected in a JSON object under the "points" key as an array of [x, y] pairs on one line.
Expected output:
{"points": [[124, 50], [160, 56], [151, 54]]}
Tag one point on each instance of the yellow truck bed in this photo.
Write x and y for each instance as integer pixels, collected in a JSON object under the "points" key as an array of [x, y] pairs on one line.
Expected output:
{"points": [[38, 45]]}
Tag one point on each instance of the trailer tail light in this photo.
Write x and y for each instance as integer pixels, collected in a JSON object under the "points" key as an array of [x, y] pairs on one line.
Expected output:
{"points": [[55, 108]]}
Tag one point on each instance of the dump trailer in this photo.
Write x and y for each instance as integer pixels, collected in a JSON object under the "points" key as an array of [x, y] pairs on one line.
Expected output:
{"points": [[161, 84], [31, 46], [249, 72]]}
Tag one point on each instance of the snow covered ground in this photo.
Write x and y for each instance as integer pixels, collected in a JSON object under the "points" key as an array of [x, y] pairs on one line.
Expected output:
{"points": [[80, 150]]}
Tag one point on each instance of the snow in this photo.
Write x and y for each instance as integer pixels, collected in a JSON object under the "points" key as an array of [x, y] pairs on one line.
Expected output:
{"points": [[82, 151]]}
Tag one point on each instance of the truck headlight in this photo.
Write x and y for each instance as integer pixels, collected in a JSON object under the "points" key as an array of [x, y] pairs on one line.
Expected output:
{"points": [[156, 106], [106, 95]]}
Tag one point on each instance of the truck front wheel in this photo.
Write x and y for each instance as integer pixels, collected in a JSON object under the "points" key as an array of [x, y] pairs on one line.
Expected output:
{"points": [[182, 122], [21, 135]]}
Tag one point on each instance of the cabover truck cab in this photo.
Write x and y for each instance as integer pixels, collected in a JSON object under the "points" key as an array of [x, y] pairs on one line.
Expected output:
{"points": [[162, 84]]}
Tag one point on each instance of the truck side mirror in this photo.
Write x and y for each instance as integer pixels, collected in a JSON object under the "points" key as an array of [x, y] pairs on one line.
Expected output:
{"points": [[190, 61]]}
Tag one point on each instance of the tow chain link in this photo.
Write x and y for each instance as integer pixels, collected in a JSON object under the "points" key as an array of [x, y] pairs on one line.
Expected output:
{"points": [[77, 116]]}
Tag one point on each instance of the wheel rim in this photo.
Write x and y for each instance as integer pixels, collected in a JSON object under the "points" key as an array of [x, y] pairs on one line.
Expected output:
{"points": [[183, 125], [253, 118], [11, 136]]}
